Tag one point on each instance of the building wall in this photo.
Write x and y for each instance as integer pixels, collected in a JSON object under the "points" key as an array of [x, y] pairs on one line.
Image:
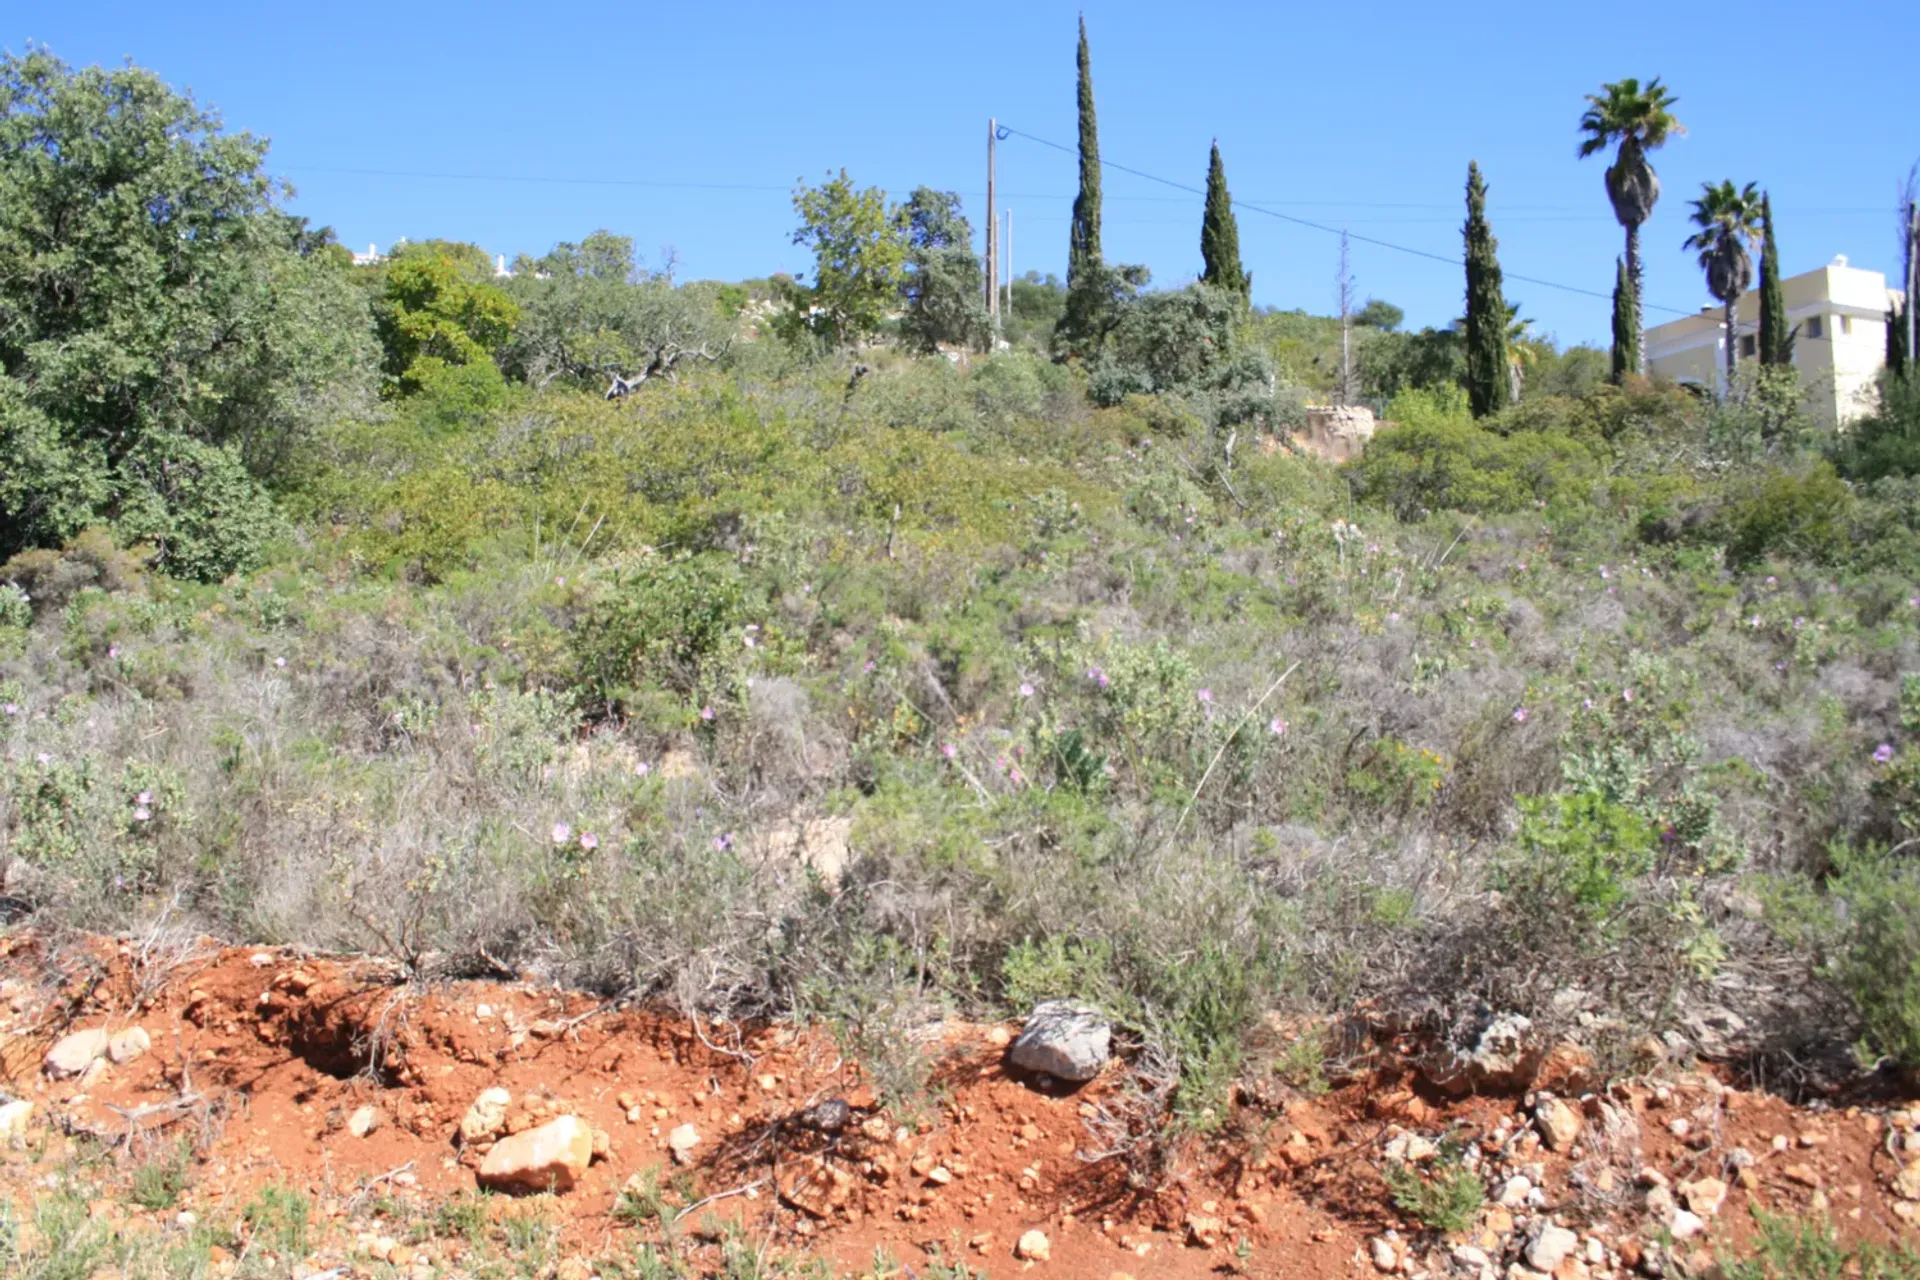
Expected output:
{"points": [[1840, 311]]}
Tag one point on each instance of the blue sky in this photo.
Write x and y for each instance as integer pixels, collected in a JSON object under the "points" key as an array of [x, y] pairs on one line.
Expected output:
{"points": [[519, 125]]}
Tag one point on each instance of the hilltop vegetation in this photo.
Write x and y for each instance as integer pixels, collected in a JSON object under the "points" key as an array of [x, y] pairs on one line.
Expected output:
{"points": [[861, 686]]}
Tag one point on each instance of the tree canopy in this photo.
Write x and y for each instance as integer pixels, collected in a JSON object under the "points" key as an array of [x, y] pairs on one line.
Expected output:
{"points": [[164, 339]]}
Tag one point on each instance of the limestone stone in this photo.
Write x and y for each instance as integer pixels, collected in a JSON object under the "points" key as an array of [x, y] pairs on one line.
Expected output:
{"points": [[126, 1046], [1063, 1039], [76, 1052], [1033, 1247], [487, 1116], [555, 1155]]}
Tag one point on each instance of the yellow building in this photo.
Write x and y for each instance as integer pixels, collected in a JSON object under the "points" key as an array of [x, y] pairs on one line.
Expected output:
{"points": [[1841, 343]]}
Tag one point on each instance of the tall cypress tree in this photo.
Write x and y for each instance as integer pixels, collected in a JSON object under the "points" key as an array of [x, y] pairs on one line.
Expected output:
{"points": [[1897, 340], [1776, 341], [1626, 324], [1083, 244], [1488, 387], [1084, 267], [1220, 236]]}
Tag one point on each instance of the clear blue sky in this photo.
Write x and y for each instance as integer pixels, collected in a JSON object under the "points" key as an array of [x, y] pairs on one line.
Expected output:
{"points": [[1354, 113]]}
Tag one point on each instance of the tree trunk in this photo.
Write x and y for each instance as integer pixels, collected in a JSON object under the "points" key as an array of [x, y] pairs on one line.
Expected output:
{"points": [[1639, 321], [1731, 354]]}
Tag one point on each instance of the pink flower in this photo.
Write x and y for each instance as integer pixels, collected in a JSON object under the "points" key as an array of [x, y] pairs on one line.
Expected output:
{"points": [[706, 713], [723, 843], [1626, 695], [279, 662], [948, 750], [588, 840], [1206, 695], [562, 833], [114, 652], [1277, 727], [1754, 621], [145, 797], [868, 668], [43, 759], [1799, 623], [1587, 703], [1519, 715], [1026, 691], [142, 814], [642, 769], [12, 708], [1604, 575], [1883, 753]]}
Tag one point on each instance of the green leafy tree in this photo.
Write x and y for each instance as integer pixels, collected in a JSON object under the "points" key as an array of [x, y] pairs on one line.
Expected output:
{"points": [[169, 338], [944, 280], [1383, 316], [1636, 120], [1776, 339], [1729, 221], [1220, 236], [1180, 342], [1489, 374], [590, 315], [1089, 285], [439, 309], [858, 252], [1624, 358]]}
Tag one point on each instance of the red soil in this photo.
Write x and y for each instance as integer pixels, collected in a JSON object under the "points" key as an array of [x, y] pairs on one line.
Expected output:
{"points": [[281, 1050]]}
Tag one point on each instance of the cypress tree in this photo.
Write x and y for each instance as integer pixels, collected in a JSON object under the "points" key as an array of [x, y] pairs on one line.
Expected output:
{"points": [[1897, 340], [1776, 342], [1083, 245], [1084, 268], [1220, 236], [1488, 387], [1626, 326]]}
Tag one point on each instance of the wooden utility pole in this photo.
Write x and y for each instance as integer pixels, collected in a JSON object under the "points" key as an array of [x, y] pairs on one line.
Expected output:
{"points": [[993, 236], [1346, 392], [1912, 282]]}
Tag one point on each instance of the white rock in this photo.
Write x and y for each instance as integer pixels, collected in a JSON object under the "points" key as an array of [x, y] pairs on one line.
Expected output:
{"points": [[487, 1116], [75, 1053], [1559, 1124], [1033, 1247], [363, 1121], [682, 1141], [1685, 1224], [1550, 1246], [1513, 1192], [1704, 1195], [14, 1118], [1063, 1039], [125, 1046], [554, 1155], [1385, 1256]]}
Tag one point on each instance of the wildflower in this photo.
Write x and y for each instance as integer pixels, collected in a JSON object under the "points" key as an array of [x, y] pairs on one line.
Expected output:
{"points": [[562, 833], [1799, 623], [1586, 704], [723, 843], [113, 651], [948, 750], [1626, 695], [1206, 695], [279, 662], [589, 841], [642, 769], [1394, 616], [1519, 715], [706, 713], [1277, 727], [1754, 621], [44, 759], [1604, 575], [753, 631], [1523, 566], [12, 708], [1883, 753], [1772, 581], [144, 798], [868, 668], [1026, 691], [1913, 602], [142, 813]]}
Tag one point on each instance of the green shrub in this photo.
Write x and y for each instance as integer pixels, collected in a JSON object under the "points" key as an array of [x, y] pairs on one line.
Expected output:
{"points": [[1795, 1248], [1878, 959], [1576, 855], [1436, 463], [662, 623], [1446, 1197], [195, 503], [1804, 513]]}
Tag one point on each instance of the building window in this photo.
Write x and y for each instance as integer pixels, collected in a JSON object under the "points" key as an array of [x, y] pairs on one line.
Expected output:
{"points": [[1748, 346], [1813, 327], [1846, 324]]}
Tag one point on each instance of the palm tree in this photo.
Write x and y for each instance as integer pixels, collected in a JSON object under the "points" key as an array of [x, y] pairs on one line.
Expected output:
{"points": [[1520, 349], [1638, 120], [1730, 221]]}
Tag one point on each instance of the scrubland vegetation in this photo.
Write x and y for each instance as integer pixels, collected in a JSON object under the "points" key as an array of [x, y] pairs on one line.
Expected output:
{"points": [[1601, 708]]}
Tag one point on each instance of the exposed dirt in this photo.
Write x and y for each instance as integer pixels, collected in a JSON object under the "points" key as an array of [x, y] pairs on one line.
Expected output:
{"points": [[263, 1057]]}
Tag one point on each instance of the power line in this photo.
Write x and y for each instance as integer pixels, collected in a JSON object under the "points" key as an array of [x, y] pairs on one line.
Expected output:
{"points": [[1335, 231]]}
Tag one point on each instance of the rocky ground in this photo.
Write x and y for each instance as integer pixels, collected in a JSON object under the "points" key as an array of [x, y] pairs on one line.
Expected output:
{"points": [[256, 1112]]}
